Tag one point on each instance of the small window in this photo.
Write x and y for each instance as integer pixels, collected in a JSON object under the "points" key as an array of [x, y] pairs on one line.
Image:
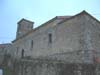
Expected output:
{"points": [[22, 54], [31, 44], [17, 50], [50, 37]]}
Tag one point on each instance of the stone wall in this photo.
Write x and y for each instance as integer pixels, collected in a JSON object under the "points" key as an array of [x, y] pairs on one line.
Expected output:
{"points": [[79, 33], [75, 44], [53, 67], [65, 38]]}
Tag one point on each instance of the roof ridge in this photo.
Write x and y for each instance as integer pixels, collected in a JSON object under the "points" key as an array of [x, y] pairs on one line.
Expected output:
{"points": [[72, 16], [24, 20], [82, 12]]}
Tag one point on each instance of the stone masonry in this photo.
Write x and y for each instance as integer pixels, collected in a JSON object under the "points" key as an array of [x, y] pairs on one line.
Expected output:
{"points": [[65, 45]]}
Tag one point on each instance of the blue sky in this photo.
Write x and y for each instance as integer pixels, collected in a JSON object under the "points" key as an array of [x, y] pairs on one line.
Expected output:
{"points": [[39, 11]]}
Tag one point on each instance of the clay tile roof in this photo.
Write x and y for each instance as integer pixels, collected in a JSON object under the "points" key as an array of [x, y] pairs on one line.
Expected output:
{"points": [[4, 45]]}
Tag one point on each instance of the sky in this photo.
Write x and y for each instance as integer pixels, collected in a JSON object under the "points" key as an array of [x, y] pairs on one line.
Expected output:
{"points": [[39, 11]]}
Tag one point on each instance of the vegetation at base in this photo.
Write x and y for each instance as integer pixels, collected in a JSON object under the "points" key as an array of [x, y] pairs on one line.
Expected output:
{"points": [[6, 71]]}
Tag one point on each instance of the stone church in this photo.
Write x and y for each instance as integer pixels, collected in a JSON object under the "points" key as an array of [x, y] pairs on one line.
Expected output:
{"points": [[64, 45]]}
